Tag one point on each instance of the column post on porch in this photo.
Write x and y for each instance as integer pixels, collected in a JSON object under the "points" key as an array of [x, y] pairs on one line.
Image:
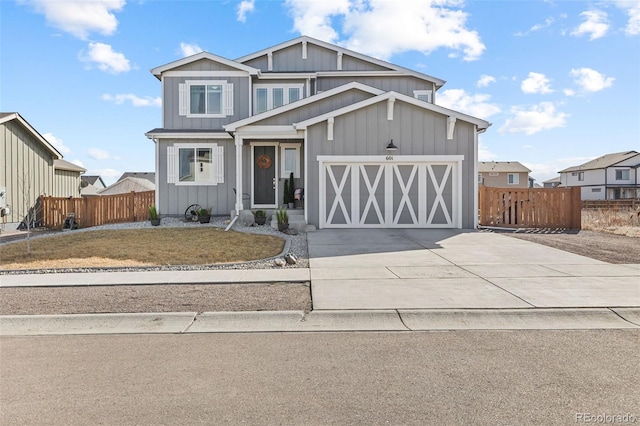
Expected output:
{"points": [[239, 142]]}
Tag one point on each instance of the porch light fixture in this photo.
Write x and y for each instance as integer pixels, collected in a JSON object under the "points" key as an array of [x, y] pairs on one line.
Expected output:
{"points": [[391, 146]]}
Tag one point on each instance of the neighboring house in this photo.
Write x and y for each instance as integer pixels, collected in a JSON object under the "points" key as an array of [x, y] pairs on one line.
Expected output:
{"points": [[363, 137], [91, 185], [29, 167], [551, 183], [150, 176], [610, 177], [127, 185], [503, 174]]}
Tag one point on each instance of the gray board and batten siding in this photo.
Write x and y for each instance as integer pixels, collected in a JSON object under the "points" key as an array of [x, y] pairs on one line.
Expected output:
{"points": [[318, 59], [401, 84], [174, 199], [414, 130]]}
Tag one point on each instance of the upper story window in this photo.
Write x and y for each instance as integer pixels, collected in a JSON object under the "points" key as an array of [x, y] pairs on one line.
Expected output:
{"points": [[513, 179], [422, 95], [269, 96], [580, 176], [206, 98], [622, 174]]}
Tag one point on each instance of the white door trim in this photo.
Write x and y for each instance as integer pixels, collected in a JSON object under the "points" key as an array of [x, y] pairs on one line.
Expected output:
{"points": [[253, 166]]}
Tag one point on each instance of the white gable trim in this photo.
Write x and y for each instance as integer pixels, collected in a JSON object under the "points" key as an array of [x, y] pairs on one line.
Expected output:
{"points": [[482, 124], [34, 132], [204, 55], [306, 39], [231, 127]]}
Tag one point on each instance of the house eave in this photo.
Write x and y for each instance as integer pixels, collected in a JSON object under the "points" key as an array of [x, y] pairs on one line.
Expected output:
{"points": [[157, 71]]}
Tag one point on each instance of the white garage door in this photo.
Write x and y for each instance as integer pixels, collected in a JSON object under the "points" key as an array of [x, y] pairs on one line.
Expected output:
{"points": [[390, 192]]}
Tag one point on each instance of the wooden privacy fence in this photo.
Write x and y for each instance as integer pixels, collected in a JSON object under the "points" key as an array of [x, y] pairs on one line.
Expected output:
{"points": [[530, 207], [94, 211]]}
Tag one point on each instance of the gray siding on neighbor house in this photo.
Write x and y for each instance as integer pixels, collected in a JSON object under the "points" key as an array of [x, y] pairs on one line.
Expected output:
{"points": [[171, 102], [318, 59], [174, 199], [26, 169], [416, 131], [401, 84], [66, 184], [317, 108]]}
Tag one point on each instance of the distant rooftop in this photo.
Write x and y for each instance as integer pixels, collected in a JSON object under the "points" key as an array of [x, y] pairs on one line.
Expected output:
{"points": [[502, 167], [602, 162]]}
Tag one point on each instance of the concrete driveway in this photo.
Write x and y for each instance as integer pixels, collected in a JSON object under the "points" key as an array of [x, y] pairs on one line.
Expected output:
{"points": [[453, 269]]}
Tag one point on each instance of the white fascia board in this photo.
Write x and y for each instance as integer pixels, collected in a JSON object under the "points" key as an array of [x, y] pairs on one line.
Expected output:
{"points": [[231, 127], [438, 82], [205, 74], [204, 55], [385, 158], [181, 135], [482, 124], [269, 132], [287, 75], [15, 116]]}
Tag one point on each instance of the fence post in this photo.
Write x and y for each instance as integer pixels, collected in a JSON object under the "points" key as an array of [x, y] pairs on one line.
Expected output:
{"points": [[576, 208]]}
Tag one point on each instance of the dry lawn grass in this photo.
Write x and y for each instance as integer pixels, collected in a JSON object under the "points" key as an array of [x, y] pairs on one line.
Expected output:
{"points": [[139, 247], [614, 221]]}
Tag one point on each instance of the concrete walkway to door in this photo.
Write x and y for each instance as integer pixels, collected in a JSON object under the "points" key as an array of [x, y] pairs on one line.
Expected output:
{"points": [[451, 269]]}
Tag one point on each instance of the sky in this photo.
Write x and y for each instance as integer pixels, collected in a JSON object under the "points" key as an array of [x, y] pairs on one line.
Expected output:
{"points": [[558, 80]]}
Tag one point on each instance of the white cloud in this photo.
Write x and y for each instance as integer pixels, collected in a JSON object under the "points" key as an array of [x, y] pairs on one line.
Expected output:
{"points": [[245, 7], [80, 17], [136, 101], [530, 121], [595, 25], [369, 26], [485, 80], [632, 8], [537, 27], [106, 58], [484, 154], [188, 49], [536, 83], [57, 143], [100, 154], [475, 105], [591, 80], [569, 92], [109, 176]]}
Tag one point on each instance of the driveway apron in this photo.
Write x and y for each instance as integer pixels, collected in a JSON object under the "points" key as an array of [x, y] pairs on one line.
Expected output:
{"points": [[454, 269]]}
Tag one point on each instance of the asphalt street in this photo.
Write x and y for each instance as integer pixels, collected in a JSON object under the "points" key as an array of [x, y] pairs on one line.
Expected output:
{"points": [[401, 378]]}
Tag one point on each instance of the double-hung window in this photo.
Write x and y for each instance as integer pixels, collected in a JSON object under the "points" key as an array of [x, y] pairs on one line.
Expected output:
{"points": [[195, 164], [206, 98], [622, 174], [513, 179], [269, 96]]}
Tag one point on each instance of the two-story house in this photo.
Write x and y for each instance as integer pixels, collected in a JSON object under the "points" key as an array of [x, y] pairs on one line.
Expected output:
{"points": [[610, 177], [363, 137], [503, 174]]}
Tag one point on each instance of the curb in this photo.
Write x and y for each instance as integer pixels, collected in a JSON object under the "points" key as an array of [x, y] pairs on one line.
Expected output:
{"points": [[321, 321]]}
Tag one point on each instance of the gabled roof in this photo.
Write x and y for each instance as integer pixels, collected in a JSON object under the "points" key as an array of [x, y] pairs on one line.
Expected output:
{"points": [[8, 116], [302, 102], [553, 180], [605, 161], [438, 82], [150, 176], [482, 124], [128, 184], [91, 180], [157, 71], [502, 167], [59, 164]]}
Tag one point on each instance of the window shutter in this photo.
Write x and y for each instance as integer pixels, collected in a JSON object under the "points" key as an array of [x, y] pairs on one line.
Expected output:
{"points": [[172, 164], [218, 160], [228, 99], [183, 100]]}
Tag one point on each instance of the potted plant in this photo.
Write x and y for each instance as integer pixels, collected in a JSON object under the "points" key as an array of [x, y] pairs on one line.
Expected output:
{"points": [[204, 215], [283, 219], [260, 217], [291, 189], [154, 217]]}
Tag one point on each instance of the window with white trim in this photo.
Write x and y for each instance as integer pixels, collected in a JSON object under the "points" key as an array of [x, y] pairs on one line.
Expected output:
{"points": [[290, 160], [479, 177], [422, 95], [195, 164], [513, 179], [580, 176], [206, 98], [622, 174], [269, 96], [596, 189]]}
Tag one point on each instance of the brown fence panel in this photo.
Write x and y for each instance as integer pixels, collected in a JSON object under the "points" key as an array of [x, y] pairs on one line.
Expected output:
{"points": [[529, 207], [94, 211]]}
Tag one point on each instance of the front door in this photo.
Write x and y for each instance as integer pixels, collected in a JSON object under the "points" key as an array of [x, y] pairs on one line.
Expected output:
{"points": [[264, 176]]}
